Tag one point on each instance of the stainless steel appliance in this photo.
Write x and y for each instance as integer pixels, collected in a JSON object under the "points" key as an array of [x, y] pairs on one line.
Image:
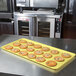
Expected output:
{"points": [[6, 8], [22, 3], [40, 3], [49, 27], [38, 23], [42, 22], [44, 3], [24, 25]]}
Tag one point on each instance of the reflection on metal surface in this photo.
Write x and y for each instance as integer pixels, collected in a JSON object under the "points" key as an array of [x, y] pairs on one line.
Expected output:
{"points": [[44, 3], [22, 3]]}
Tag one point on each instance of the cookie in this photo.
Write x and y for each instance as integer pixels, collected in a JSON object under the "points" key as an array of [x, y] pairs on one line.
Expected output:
{"points": [[38, 52], [23, 53], [31, 56], [16, 44], [51, 63], [30, 43], [40, 59], [23, 46], [45, 49], [47, 55], [66, 55], [15, 50], [55, 52], [37, 46], [8, 47], [23, 41], [59, 59], [30, 49]]}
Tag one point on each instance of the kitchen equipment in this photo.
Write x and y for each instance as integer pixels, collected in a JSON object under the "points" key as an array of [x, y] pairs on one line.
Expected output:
{"points": [[22, 3], [40, 3], [45, 3], [6, 8], [6, 26], [38, 21], [24, 25], [32, 57], [45, 22], [49, 27]]}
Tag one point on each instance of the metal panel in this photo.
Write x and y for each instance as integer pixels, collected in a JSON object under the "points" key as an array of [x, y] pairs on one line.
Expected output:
{"points": [[44, 3], [22, 3]]}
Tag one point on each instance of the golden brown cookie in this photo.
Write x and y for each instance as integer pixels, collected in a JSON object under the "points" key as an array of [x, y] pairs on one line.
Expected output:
{"points": [[45, 49], [23, 41], [59, 59], [47, 55], [23, 46], [51, 63], [66, 55], [37, 46], [15, 50], [32, 56], [55, 52], [30, 43], [38, 52], [40, 59], [16, 44], [8, 47], [23, 53], [30, 49]]}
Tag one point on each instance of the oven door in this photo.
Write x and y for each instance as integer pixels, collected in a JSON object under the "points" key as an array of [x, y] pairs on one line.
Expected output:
{"points": [[45, 27], [6, 6], [24, 26]]}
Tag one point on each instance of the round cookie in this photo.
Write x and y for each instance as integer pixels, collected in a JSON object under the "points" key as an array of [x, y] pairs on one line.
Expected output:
{"points": [[40, 59], [8, 47], [59, 59], [16, 44], [45, 49], [30, 43], [38, 52], [23, 46], [47, 55], [15, 50], [23, 53], [23, 41], [30, 49], [66, 55], [55, 52], [37, 46], [31, 56], [51, 63]]}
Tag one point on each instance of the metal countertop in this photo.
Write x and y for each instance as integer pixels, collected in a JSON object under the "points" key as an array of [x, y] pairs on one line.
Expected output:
{"points": [[37, 14], [15, 65]]}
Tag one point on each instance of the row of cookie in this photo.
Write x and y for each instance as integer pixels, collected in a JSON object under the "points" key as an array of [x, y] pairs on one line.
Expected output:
{"points": [[37, 52], [8, 47]]}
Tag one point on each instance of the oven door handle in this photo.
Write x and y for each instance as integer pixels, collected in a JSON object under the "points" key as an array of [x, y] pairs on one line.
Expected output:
{"points": [[37, 26]]}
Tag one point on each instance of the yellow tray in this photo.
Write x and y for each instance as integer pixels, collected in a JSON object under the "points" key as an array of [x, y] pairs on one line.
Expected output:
{"points": [[55, 69]]}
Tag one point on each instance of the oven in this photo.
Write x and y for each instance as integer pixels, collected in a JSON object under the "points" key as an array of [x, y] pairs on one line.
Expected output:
{"points": [[6, 6], [39, 25], [45, 27], [49, 27], [24, 25]]}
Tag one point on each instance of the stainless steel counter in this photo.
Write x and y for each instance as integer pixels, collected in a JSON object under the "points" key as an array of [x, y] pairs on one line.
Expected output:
{"points": [[37, 14], [16, 65]]}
